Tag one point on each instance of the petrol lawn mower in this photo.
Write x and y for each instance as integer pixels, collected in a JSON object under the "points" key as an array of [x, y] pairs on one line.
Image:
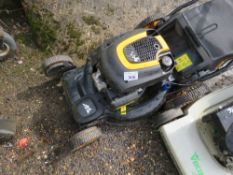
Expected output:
{"points": [[129, 76]]}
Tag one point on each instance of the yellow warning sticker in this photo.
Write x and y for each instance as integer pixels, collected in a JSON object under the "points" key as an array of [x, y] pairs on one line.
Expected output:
{"points": [[123, 110], [183, 62]]}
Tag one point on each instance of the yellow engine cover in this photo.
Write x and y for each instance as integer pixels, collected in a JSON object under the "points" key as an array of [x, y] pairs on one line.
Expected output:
{"points": [[135, 66]]}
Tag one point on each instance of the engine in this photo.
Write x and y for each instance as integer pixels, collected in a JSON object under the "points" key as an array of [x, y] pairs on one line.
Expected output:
{"points": [[218, 134], [140, 58]]}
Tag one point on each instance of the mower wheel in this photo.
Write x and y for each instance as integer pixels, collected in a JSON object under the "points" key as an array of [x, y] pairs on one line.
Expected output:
{"points": [[5, 51], [7, 129], [9, 45], [57, 65], [85, 137], [168, 116], [151, 21]]}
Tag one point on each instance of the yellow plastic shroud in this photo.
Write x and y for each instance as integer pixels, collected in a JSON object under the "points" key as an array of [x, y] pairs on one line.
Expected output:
{"points": [[136, 66]]}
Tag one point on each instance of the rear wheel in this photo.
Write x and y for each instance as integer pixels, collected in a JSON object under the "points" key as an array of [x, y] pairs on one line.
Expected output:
{"points": [[85, 137], [57, 65]]}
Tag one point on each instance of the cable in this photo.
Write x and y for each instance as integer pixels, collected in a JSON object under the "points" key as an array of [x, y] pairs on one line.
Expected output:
{"points": [[180, 84]]}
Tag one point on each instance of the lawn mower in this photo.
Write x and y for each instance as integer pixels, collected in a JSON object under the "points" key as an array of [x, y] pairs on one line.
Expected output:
{"points": [[201, 142], [7, 47], [129, 76]]}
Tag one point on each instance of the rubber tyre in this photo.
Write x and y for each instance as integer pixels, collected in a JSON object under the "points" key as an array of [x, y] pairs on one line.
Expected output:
{"points": [[85, 137], [5, 137], [57, 65], [9, 40], [7, 129], [149, 20], [10, 44], [167, 117], [5, 52]]}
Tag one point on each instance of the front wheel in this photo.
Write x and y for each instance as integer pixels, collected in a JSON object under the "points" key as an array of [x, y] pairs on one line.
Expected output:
{"points": [[85, 137]]}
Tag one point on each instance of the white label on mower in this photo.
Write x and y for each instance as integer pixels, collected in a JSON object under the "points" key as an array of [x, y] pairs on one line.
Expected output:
{"points": [[130, 76]]}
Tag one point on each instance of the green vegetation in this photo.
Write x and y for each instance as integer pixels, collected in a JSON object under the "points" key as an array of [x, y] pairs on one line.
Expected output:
{"points": [[53, 39], [75, 34], [44, 29], [25, 39], [91, 20]]}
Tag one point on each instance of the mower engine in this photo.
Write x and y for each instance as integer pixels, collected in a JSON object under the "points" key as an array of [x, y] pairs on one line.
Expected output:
{"points": [[138, 59], [224, 119], [118, 75], [220, 124]]}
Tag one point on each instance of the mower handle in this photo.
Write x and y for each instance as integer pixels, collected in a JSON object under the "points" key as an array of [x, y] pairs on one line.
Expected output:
{"points": [[179, 8]]}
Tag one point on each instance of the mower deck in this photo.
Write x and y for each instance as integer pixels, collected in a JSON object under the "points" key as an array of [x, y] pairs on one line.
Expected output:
{"points": [[183, 139]]}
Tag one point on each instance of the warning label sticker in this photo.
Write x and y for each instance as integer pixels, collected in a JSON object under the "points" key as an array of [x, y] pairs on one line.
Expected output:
{"points": [[183, 62]]}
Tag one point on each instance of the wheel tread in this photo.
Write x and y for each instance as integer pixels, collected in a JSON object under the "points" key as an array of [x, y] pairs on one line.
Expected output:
{"points": [[57, 59], [63, 62], [85, 137]]}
